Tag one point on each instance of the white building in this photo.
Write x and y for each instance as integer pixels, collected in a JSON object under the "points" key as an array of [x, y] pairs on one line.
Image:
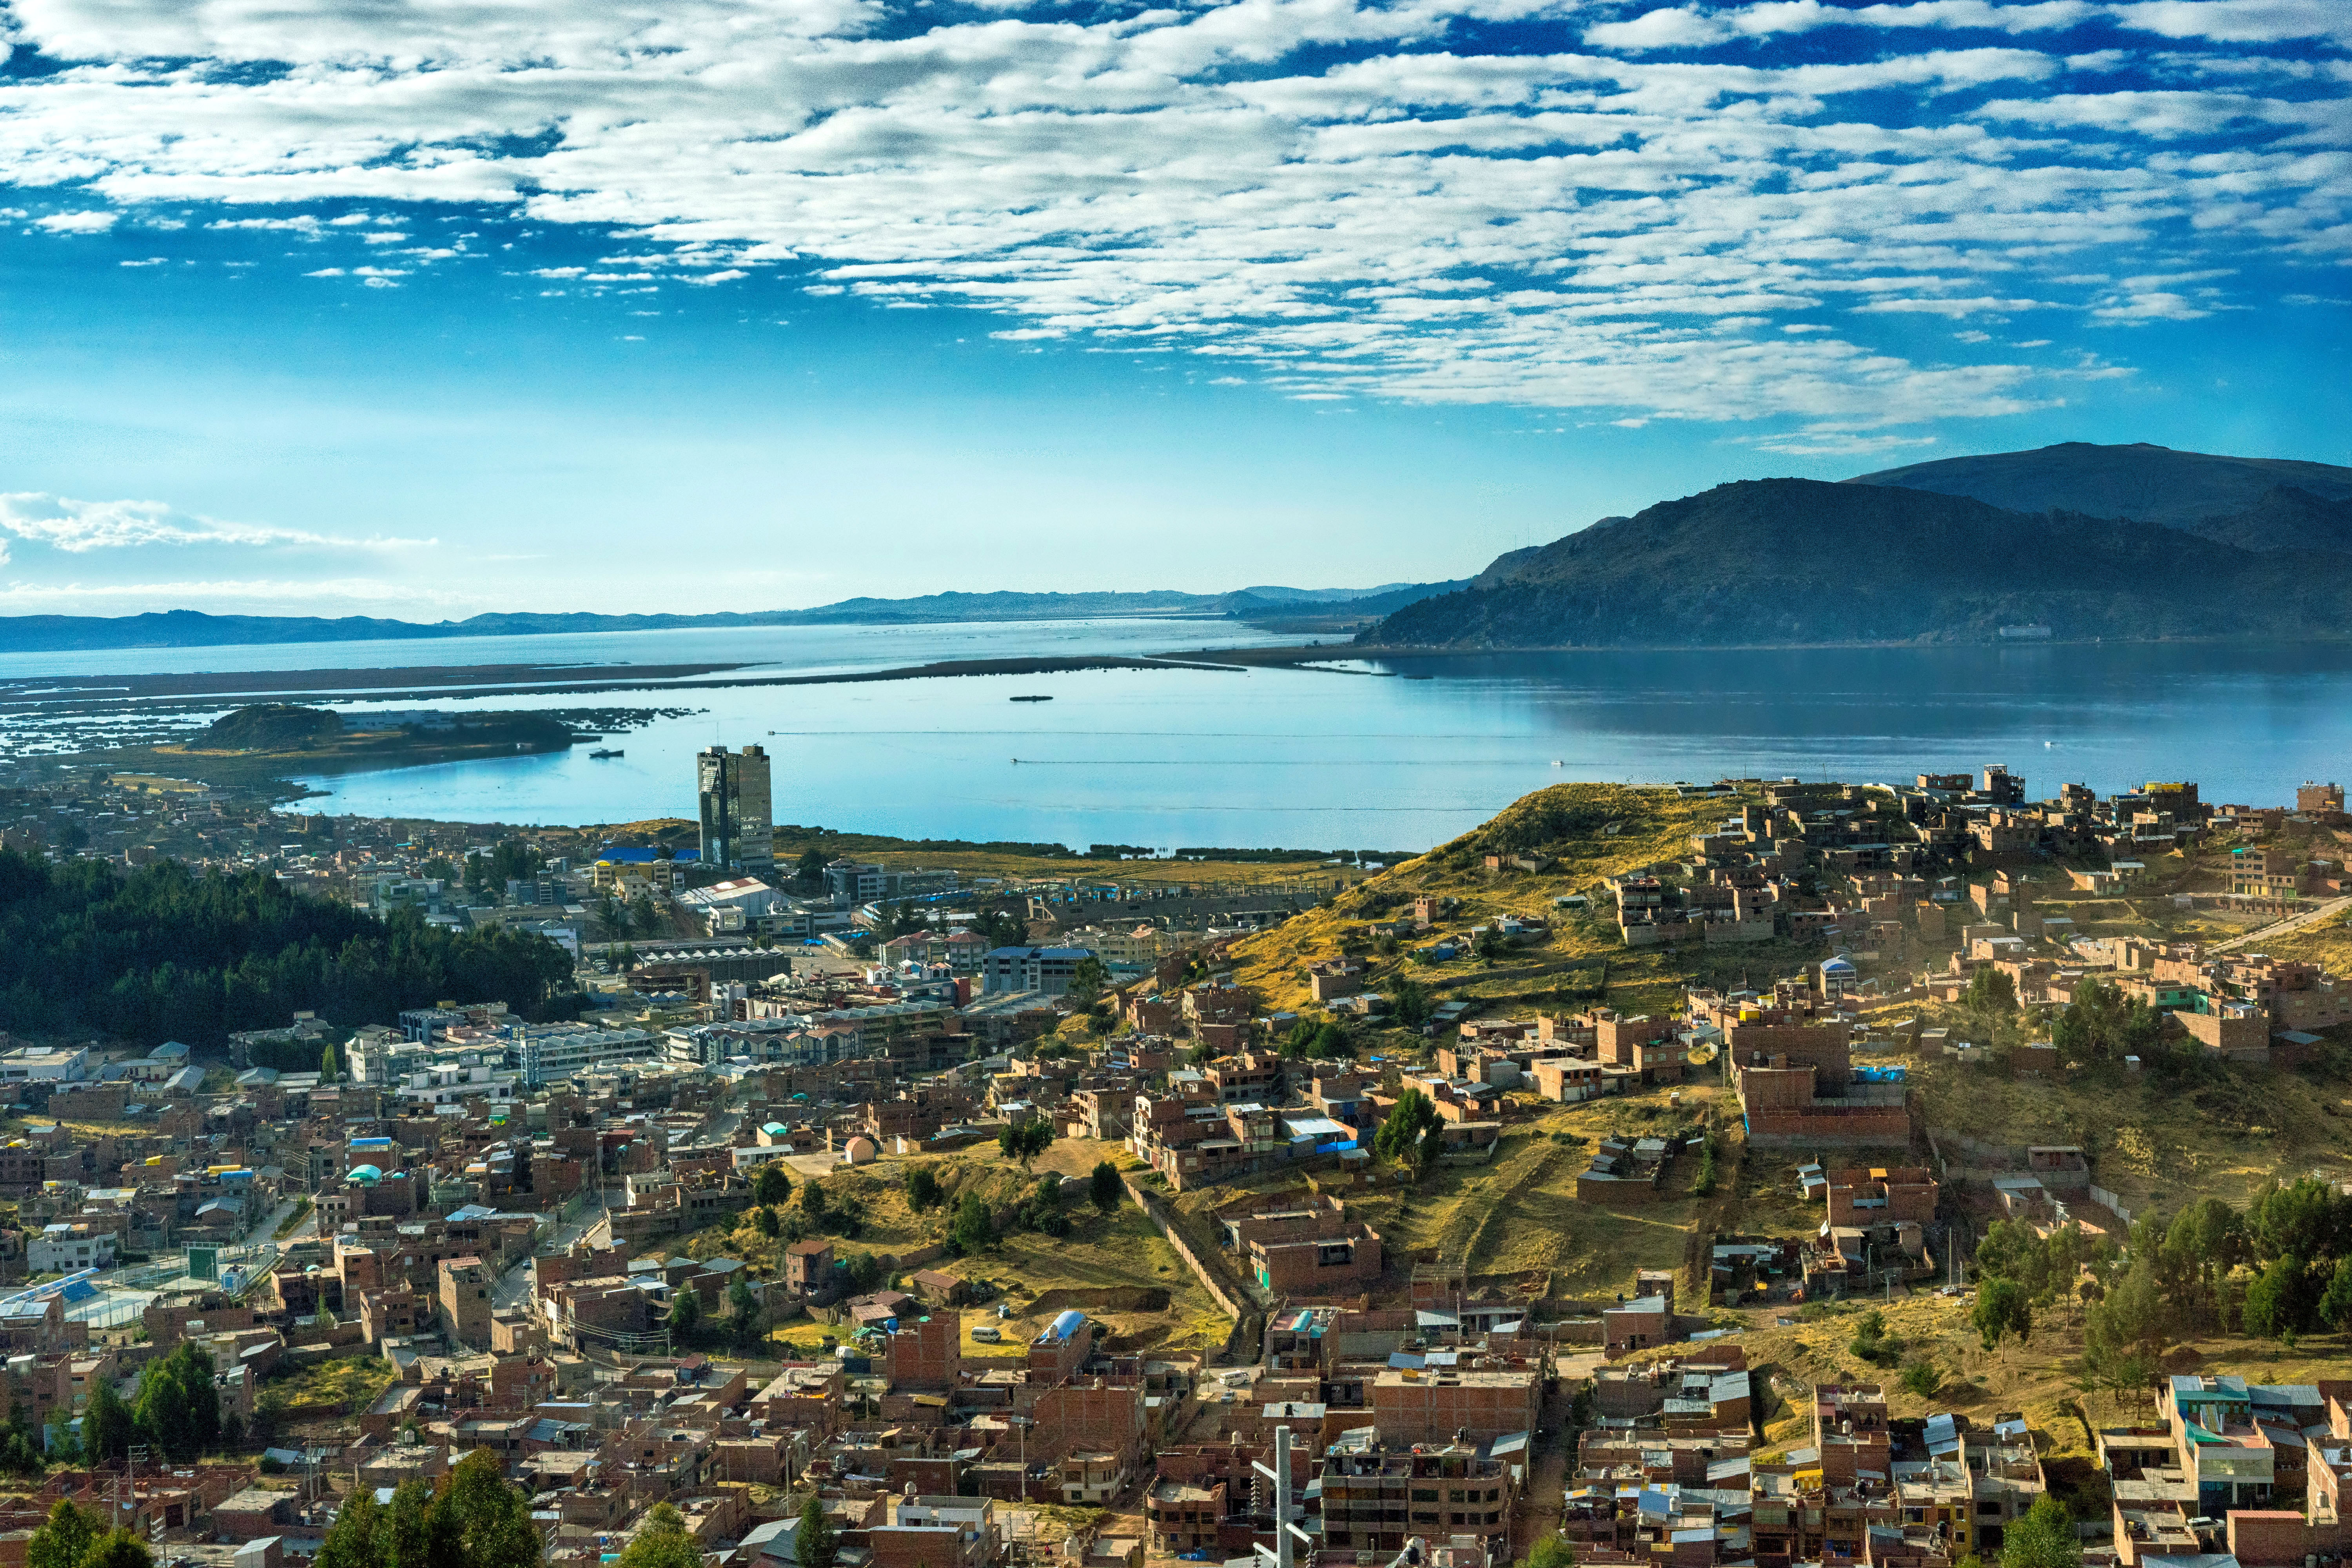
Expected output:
{"points": [[547, 1052], [449, 1082], [66, 1248], [25, 1065]]}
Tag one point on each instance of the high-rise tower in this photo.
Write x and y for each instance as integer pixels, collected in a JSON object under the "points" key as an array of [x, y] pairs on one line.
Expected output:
{"points": [[733, 790]]}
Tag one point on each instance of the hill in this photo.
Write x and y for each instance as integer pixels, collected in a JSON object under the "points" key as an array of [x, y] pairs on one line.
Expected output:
{"points": [[272, 727], [193, 629], [2153, 484], [1797, 561]]}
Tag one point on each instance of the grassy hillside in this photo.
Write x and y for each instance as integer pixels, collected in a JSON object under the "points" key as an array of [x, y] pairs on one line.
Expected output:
{"points": [[1098, 1266]]}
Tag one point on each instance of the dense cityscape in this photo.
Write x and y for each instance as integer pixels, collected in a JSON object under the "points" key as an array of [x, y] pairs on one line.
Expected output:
{"points": [[787, 1209]]}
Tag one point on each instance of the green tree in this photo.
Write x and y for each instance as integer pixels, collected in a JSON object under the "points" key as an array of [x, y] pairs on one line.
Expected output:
{"points": [[2336, 1303], [331, 1065], [1087, 980], [178, 1407], [2275, 1301], [118, 1549], [685, 1313], [972, 1231], [743, 1317], [815, 1544], [2002, 1308], [492, 1518], [2044, 1537], [355, 1539], [764, 1220], [1551, 1552], [923, 1193], [1408, 1134], [1921, 1379], [1411, 1003], [106, 1423], [1024, 1141], [662, 1541], [812, 1202], [63, 1539], [1105, 1187], [1991, 993], [416, 1534], [771, 1187]]}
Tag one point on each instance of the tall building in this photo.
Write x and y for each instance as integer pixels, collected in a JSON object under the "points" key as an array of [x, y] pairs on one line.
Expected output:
{"points": [[736, 827]]}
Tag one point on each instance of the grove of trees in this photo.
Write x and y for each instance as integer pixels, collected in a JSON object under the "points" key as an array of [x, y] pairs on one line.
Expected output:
{"points": [[166, 953]]}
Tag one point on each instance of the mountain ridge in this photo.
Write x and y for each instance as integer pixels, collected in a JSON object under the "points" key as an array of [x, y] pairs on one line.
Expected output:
{"points": [[197, 628], [1796, 562]]}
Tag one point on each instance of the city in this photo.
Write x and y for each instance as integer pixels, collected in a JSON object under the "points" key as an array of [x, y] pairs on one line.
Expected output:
{"points": [[1496, 1200]]}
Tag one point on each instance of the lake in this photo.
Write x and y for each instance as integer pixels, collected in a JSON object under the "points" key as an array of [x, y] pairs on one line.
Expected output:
{"points": [[1400, 757]]}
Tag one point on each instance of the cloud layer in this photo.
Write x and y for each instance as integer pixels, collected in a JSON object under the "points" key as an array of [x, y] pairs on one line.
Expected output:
{"points": [[1799, 213], [78, 527]]}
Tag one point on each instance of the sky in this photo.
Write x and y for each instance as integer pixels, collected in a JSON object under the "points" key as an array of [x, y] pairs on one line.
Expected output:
{"points": [[422, 307]]}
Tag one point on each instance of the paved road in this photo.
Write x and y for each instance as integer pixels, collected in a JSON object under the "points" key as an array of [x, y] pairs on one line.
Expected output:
{"points": [[2308, 918], [512, 1288]]}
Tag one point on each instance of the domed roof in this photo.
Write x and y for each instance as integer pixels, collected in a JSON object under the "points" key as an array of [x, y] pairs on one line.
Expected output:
{"points": [[859, 1150]]}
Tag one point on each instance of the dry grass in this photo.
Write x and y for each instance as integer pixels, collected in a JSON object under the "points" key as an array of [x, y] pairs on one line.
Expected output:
{"points": [[1101, 1252]]}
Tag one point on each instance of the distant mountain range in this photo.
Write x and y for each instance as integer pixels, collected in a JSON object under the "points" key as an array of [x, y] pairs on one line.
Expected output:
{"points": [[1942, 552], [193, 629]]}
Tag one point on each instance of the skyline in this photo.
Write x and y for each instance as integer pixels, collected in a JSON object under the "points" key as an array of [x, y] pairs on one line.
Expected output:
{"points": [[420, 312]]}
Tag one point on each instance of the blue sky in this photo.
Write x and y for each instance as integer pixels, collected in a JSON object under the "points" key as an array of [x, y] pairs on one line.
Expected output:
{"points": [[423, 308]]}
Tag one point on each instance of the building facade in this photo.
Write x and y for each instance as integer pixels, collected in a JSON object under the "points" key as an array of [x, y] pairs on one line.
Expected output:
{"points": [[733, 789]]}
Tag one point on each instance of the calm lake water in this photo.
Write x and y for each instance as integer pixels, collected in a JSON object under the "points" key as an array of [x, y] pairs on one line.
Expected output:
{"points": [[1415, 751], [1401, 756]]}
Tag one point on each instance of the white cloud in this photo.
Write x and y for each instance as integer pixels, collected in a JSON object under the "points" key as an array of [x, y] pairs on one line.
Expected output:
{"points": [[1429, 219], [77, 223], [77, 527]]}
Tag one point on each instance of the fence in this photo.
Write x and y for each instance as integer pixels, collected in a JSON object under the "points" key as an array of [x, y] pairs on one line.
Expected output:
{"points": [[2101, 1195]]}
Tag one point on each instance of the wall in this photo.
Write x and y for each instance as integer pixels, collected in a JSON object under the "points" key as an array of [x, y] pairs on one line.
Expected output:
{"points": [[1157, 1212]]}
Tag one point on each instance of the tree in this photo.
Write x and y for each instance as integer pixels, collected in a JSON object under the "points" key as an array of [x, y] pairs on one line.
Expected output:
{"points": [[2044, 1537], [118, 1549], [815, 1544], [492, 1518], [353, 1541], [1411, 1005], [771, 1186], [1024, 1141], [1104, 1186], [1489, 945], [812, 1202], [2002, 1308], [764, 1220], [1991, 992], [1088, 979], [743, 1321], [2274, 1304], [923, 1193], [974, 1230], [2335, 1304], [1551, 1552], [1408, 1134], [685, 1311], [330, 1067], [1921, 1379], [179, 1404], [64, 1537], [662, 1541], [106, 1424]]}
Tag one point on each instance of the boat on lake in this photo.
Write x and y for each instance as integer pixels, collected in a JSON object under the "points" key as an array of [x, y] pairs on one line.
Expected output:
{"points": [[1032, 699], [603, 752]]}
